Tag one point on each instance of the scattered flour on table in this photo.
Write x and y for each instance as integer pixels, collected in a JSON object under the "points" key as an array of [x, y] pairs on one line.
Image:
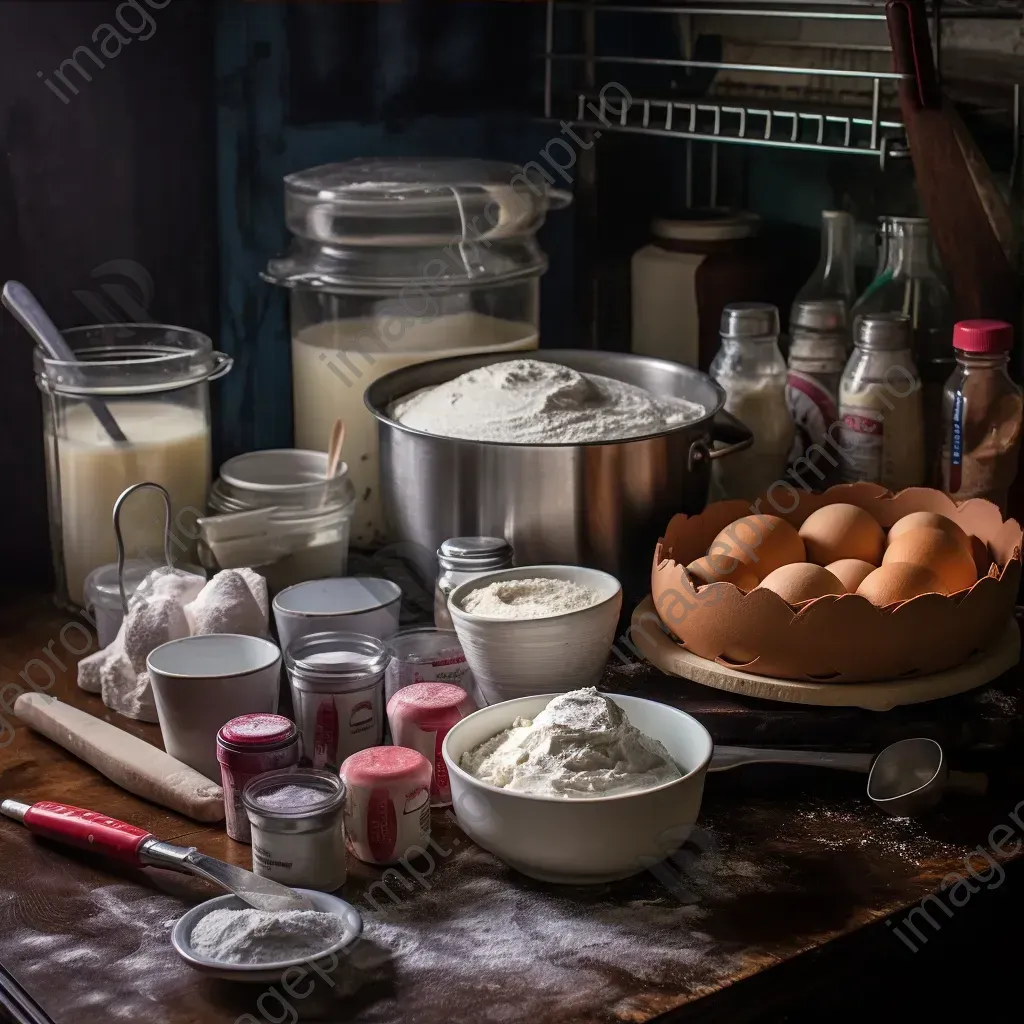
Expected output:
{"points": [[581, 745], [259, 936], [526, 401], [529, 599]]}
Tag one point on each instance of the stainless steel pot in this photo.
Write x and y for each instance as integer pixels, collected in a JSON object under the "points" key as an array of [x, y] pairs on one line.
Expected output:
{"points": [[602, 505]]}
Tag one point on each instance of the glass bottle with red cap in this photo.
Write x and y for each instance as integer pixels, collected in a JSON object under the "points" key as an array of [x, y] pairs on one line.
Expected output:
{"points": [[981, 415]]}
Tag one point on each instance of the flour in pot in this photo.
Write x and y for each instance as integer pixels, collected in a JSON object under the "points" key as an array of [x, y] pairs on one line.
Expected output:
{"points": [[529, 599], [581, 745], [526, 401]]}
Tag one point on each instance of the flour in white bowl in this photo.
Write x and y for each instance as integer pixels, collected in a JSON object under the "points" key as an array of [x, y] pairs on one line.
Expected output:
{"points": [[526, 401], [261, 936], [529, 599], [581, 745]]}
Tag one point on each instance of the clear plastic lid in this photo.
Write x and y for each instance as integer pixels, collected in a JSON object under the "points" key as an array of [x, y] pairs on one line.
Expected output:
{"points": [[374, 224]]}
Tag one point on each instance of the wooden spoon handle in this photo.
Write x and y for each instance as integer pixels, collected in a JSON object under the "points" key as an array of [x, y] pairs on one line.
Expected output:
{"points": [[334, 448]]}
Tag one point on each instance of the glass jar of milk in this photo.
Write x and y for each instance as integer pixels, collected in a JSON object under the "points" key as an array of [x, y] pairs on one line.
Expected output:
{"points": [[396, 262], [154, 381]]}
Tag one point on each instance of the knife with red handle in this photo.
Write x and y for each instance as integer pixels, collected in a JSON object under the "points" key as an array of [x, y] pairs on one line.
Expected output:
{"points": [[91, 830]]}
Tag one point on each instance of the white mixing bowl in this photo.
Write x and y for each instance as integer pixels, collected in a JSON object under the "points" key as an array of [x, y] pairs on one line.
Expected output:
{"points": [[517, 657], [581, 840]]}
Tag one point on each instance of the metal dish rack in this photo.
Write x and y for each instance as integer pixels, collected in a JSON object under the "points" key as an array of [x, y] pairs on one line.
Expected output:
{"points": [[863, 124]]}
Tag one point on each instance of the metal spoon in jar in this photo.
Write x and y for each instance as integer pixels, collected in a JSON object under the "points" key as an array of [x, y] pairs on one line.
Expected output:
{"points": [[905, 778], [25, 308]]}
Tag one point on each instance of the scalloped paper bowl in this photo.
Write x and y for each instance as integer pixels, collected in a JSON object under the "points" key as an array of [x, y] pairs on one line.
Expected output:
{"points": [[838, 639]]}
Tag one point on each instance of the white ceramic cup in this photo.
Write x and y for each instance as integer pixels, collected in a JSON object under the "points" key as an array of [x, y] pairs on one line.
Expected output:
{"points": [[348, 604], [202, 682]]}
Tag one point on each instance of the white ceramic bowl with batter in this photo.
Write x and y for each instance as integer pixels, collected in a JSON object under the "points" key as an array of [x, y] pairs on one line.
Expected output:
{"points": [[576, 840], [517, 657]]}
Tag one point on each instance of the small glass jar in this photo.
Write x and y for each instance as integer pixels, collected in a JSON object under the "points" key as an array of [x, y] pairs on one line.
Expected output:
{"points": [[276, 512], [751, 370], [464, 558], [337, 685], [297, 821], [154, 381], [426, 655], [248, 746], [398, 261], [981, 415], [881, 415], [103, 592]]}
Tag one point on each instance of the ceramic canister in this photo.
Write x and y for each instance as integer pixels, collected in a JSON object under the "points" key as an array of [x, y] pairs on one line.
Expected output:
{"points": [[420, 717], [337, 685], [387, 803], [248, 746]]}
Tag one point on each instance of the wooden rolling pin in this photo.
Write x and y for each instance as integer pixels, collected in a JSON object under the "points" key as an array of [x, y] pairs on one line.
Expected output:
{"points": [[131, 763]]}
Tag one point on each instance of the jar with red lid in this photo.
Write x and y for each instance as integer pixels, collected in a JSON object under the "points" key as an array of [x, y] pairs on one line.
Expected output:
{"points": [[387, 803], [420, 717], [248, 746], [981, 415]]}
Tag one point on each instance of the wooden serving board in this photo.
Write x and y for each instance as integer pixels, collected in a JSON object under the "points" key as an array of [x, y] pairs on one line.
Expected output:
{"points": [[664, 653]]}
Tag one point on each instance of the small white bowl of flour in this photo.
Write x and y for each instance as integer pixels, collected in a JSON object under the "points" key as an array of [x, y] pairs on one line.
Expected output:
{"points": [[226, 938], [536, 628]]}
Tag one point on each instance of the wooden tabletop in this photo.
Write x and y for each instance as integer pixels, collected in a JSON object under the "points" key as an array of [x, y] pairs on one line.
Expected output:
{"points": [[785, 867]]}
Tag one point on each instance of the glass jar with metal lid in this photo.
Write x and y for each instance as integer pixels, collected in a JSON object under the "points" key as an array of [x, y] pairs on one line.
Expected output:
{"points": [[464, 558], [818, 350], [881, 413], [297, 821], [752, 372], [337, 686], [276, 512], [396, 262], [132, 406]]}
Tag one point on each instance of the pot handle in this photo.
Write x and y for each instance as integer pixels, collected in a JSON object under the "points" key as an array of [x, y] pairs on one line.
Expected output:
{"points": [[736, 437]]}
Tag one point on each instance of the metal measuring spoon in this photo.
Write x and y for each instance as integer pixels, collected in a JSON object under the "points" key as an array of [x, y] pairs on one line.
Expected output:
{"points": [[905, 778], [25, 308]]}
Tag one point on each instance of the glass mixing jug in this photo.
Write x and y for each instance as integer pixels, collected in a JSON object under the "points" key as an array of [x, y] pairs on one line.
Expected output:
{"points": [[154, 381], [396, 262]]}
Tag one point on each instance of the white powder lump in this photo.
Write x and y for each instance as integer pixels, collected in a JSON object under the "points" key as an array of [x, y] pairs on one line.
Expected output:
{"points": [[526, 401], [581, 745], [259, 936], [529, 599]]}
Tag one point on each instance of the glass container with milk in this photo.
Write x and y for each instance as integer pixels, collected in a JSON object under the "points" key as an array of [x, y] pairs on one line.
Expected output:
{"points": [[396, 262], [154, 380]]}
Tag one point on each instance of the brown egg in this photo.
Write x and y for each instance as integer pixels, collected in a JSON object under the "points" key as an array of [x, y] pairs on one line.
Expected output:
{"points": [[938, 551], [840, 531], [851, 572], [898, 581], [761, 542], [802, 581], [723, 569], [933, 520]]}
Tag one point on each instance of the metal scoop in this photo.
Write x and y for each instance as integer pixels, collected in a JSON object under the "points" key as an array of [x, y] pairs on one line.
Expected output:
{"points": [[906, 778]]}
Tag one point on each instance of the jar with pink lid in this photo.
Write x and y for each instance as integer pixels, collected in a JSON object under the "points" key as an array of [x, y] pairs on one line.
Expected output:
{"points": [[248, 746], [387, 803], [420, 717]]}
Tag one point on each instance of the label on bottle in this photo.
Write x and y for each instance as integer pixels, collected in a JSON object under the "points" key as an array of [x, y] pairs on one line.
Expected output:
{"points": [[956, 444], [863, 438], [813, 408]]}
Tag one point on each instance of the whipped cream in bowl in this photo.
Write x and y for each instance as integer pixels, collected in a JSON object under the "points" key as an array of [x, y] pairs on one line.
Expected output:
{"points": [[578, 788]]}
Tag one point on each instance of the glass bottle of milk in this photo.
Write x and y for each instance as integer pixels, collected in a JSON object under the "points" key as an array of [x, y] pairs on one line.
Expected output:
{"points": [[396, 262], [154, 382]]}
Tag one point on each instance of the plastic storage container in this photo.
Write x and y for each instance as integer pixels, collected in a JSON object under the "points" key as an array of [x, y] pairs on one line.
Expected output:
{"points": [[396, 262], [275, 512], [154, 380], [426, 655]]}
